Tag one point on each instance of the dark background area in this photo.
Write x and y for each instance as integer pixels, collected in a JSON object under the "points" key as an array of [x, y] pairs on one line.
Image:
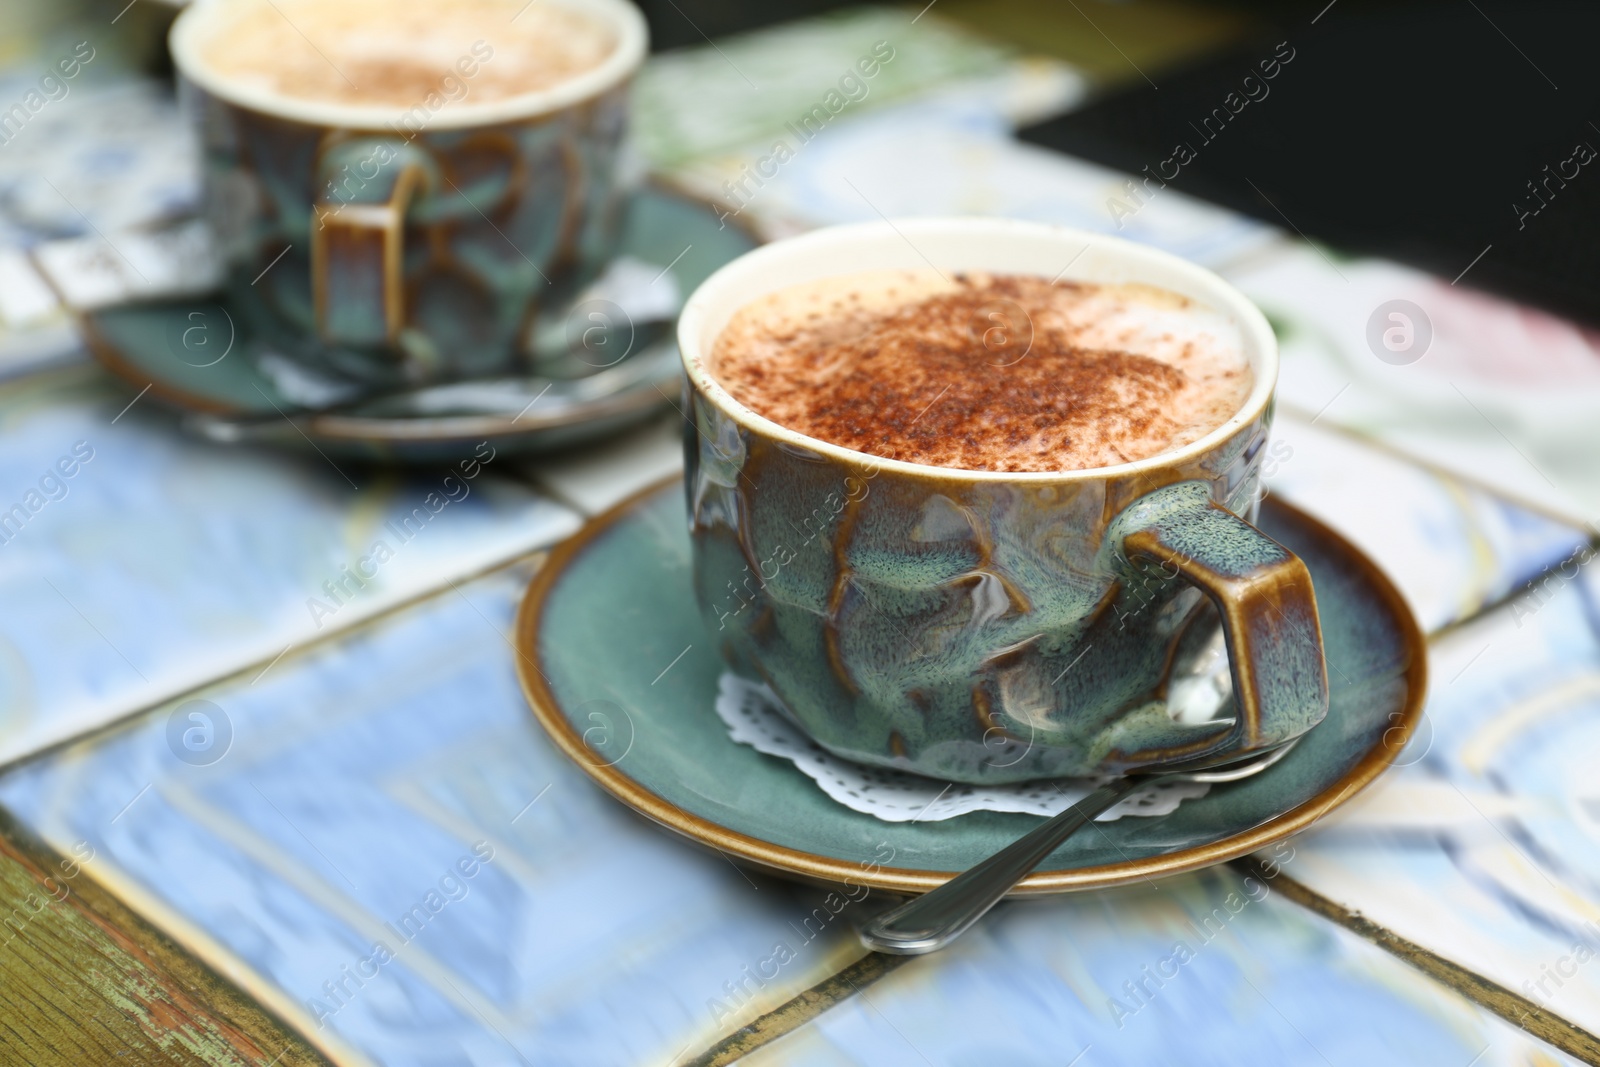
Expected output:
{"points": [[1407, 130]]}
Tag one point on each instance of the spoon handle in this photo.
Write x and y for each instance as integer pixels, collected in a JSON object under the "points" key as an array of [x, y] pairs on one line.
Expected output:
{"points": [[936, 918]]}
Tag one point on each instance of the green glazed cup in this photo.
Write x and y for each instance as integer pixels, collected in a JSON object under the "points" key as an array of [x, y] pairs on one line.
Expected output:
{"points": [[987, 627], [401, 245]]}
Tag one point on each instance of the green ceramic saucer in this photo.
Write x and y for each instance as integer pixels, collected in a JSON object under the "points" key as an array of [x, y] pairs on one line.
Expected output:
{"points": [[234, 399], [622, 673]]}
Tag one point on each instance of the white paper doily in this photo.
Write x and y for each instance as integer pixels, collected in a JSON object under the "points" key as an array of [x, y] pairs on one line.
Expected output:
{"points": [[754, 718]]}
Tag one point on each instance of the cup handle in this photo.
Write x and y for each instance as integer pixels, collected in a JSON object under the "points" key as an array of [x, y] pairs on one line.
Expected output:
{"points": [[357, 238], [1269, 613]]}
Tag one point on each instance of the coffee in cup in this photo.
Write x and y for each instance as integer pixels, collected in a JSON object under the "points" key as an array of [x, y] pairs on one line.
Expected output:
{"points": [[985, 372], [403, 191], [962, 491], [378, 53]]}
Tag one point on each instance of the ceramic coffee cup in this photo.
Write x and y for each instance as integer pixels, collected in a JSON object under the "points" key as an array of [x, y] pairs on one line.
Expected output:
{"points": [[403, 245], [994, 627]]}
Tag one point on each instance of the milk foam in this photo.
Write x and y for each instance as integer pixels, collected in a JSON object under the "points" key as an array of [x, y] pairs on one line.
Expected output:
{"points": [[399, 53], [986, 372]]}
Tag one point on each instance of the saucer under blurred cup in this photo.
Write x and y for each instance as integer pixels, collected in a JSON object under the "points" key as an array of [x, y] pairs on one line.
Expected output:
{"points": [[406, 243], [980, 626]]}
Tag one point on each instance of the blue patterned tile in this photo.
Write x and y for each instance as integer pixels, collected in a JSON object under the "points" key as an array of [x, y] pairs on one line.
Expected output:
{"points": [[162, 562]]}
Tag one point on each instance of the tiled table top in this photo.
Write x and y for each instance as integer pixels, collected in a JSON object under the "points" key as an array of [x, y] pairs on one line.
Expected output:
{"points": [[364, 766], [383, 785], [159, 565]]}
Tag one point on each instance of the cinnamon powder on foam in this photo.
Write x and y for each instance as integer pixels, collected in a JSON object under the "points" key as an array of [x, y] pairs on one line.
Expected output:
{"points": [[985, 372], [406, 53]]}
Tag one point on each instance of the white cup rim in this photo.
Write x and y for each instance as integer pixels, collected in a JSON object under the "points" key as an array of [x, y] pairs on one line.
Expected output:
{"points": [[975, 244], [195, 22]]}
